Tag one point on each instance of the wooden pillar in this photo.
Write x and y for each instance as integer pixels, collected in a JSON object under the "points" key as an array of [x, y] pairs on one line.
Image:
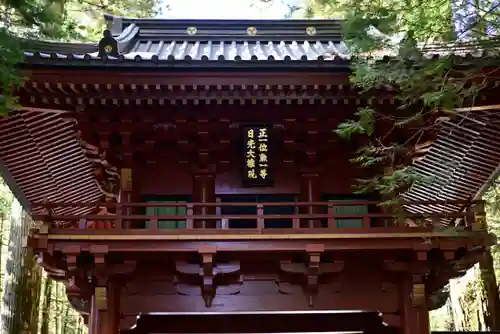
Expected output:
{"points": [[98, 313], [309, 192], [126, 195], [113, 304], [93, 317], [204, 192], [413, 307]]}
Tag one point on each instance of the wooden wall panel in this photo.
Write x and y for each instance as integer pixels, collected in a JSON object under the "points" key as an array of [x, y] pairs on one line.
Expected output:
{"points": [[170, 178], [350, 292]]}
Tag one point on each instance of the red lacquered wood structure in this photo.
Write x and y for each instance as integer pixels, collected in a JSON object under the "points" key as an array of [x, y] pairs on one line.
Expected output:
{"points": [[186, 172]]}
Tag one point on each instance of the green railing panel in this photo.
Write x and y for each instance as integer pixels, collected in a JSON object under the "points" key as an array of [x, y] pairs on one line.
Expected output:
{"points": [[349, 209], [167, 211]]}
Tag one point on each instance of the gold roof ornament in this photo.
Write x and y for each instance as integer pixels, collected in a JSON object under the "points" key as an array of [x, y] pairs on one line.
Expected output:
{"points": [[251, 31], [311, 31], [108, 48], [191, 31]]}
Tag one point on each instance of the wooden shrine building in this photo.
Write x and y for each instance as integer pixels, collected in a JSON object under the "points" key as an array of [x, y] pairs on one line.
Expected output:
{"points": [[186, 171]]}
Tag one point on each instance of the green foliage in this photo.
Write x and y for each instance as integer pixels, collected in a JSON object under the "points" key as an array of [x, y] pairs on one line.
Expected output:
{"points": [[48, 19], [426, 90], [363, 125], [5, 200], [492, 198], [87, 15], [471, 303], [10, 79], [27, 297]]}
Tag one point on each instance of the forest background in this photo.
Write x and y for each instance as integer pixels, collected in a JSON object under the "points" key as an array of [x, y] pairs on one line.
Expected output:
{"points": [[429, 91]]}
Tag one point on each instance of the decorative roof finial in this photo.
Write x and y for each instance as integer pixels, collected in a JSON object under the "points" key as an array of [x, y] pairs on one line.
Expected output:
{"points": [[108, 46], [251, 31]]}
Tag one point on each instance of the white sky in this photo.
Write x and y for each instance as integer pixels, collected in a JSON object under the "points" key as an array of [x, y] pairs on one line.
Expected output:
{"points": [[225, 9]]}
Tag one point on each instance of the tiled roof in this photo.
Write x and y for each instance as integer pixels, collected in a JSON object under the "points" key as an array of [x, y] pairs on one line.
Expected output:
{"points": [[203, 40], [462, 160], [171, 43], [46, 162]]}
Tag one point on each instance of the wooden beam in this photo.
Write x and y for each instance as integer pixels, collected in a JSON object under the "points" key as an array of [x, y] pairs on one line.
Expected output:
{"points": [[260, 322], [72, 76]]}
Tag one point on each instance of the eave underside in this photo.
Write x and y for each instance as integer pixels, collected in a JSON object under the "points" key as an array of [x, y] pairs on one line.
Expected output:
{"points": [[461, 162], [42, 154]]}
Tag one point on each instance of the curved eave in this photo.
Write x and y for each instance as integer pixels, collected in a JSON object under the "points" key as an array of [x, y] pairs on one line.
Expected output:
{"points": [[44, 161], [187, 66], [14, 188], [464, 158], [223, 28], [30, 46]]}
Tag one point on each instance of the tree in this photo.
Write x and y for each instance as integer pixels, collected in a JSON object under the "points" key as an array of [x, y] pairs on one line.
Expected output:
{"points": [[47, 19], [428, 90]]}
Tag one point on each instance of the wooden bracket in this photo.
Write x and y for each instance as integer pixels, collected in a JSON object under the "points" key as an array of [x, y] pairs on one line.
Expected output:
{"points": [[77, 279], [99, 271], [418, 294], [312, 277], [55, 269], [71, 260], [100, 295], [104, 140], [126, 179], [47, 221], [207, 279], [313, 271], [479, 222]]}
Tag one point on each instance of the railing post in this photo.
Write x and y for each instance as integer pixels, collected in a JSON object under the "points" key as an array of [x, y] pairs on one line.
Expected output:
{"points": [[119, 218], [479, 222], [260, 217], [189, 213], [48, 221], [82, 223], [400, 215], [331, 220], [366, 222], [310, 192], [154, 223]]}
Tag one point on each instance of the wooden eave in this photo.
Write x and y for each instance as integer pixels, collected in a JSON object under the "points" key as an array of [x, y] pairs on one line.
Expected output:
{"points": [[462, 160], [161, 62], [200, 78], [258, 322], [419, 239], [40, 152]]}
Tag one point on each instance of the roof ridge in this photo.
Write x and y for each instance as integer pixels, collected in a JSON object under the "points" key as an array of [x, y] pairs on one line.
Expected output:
{"points": [[291, 21], [225, 29]]}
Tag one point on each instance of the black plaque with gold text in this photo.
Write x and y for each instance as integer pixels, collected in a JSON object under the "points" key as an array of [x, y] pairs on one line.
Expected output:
{"points": [[257, 154]]}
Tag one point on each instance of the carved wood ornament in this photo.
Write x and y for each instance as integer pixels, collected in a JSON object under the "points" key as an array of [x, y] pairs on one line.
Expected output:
{"points": [[312, 271], [207, 286], [418, 295], [208, 276], [107, 175]]}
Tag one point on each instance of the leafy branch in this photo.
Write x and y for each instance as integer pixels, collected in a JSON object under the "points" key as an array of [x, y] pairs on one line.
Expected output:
{"points": [[426, 89]]}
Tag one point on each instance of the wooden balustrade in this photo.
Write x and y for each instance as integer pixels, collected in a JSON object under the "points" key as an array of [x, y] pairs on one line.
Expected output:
{"points": [[332, 215]]}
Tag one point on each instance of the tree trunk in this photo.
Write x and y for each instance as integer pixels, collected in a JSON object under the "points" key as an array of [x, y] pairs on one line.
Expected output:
{"points": [[66, 320], [492, 301], [46, 306], [58, 310]]}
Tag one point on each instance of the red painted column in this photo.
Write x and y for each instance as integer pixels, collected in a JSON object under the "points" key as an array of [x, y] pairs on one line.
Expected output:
{"points": [[413, 307], [204, 192], [113, 301], [309, 192], [93, 317], [126, 195]]}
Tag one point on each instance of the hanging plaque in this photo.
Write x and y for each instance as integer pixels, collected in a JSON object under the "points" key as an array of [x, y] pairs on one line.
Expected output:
{"points": [[257, 153]]}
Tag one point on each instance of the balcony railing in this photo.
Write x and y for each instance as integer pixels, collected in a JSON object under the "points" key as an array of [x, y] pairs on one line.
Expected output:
{"points": [[340, 216]]}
